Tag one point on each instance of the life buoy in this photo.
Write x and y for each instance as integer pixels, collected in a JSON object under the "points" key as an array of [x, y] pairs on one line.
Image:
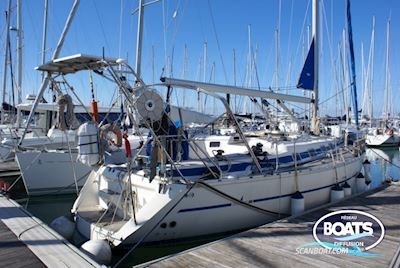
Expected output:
{"points": [[389, 132], [111, 128]]}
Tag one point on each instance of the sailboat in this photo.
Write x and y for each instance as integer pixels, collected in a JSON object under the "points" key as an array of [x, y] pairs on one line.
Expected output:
{"points": [[386, 135], [167, 195], [39, 154]]}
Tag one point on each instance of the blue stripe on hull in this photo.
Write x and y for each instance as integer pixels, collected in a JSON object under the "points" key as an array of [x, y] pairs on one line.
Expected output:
{"points": [[204, 208], [258, 200]]}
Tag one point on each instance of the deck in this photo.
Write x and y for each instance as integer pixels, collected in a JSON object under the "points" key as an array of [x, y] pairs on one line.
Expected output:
{"points": [[274, 245], [25, 241]]}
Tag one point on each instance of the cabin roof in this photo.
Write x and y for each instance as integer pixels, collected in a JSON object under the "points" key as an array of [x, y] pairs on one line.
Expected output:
{"points": [[75, 63]]}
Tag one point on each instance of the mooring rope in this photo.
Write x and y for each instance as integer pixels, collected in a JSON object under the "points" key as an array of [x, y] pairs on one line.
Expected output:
{"points": [[154, 227], [239, 202], [72, 163], [390, 162]]}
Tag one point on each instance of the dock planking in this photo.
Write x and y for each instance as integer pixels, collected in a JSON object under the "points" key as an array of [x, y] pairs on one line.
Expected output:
{"points": [[33, 237], [14, 253], [274, 244], [9, 168]]}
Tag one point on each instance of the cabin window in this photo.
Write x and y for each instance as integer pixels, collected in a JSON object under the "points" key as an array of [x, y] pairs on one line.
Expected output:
{"points": [[312, 152], [285, 159], [304, 155], [215, 144], [319, 151]]}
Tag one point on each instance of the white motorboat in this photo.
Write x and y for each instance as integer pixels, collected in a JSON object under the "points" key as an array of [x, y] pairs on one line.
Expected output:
{"points": [[380, 137], [69, 174], [46, 136], [36, 166]]}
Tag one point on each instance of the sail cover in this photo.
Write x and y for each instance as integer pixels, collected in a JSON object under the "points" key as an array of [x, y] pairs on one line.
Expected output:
{"points": [[306, 80], [353, 66]]}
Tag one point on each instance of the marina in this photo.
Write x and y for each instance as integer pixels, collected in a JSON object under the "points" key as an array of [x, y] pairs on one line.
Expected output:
{"points": [[118, 161]]}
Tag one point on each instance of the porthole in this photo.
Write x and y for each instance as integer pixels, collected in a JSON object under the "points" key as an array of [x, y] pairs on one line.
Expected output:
{"points": [[163, 225], [172, 224]]}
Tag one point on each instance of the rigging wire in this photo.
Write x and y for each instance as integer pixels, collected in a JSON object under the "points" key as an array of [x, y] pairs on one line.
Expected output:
{"points": [[290, 32], [101, 26], [217, 40], [175, 34], [302, 28], [388, 161], [329, 40]]}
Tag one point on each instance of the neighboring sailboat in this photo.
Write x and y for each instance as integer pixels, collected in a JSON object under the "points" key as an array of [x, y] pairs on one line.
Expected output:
{"points": [[386, 135]]}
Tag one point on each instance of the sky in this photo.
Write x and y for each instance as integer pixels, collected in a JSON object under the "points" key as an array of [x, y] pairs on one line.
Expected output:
{"points": [[228, 28]]}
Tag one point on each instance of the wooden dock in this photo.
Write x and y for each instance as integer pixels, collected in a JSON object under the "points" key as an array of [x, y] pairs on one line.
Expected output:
{"points": [[9, 169], [12, 249], [25, 241], [275, 244]]}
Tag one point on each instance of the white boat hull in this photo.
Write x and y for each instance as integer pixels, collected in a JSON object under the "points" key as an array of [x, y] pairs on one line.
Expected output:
{"points": [[382, 140], [55, 140], [204, 211], [59, 172]]}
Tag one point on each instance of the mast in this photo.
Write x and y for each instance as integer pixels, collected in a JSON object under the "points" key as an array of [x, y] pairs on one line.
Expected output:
{"points": [[44, 36], [138, 67], [345, 78], [371, 79], [6, 57], [353, 65], [184, 72], [205, 57], [249, 69], [386, 104], [314, 126], [276, 72], [19, 49], [234, 76], [363, 77]]}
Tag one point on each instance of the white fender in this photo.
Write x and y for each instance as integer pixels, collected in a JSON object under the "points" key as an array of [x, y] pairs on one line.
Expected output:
{"points": [[88, 144], [98, 250]]}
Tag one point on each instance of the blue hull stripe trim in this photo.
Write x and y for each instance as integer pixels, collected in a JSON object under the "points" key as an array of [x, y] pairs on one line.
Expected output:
{"points": [[303, 192], [204, 208], [259, 200]]}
